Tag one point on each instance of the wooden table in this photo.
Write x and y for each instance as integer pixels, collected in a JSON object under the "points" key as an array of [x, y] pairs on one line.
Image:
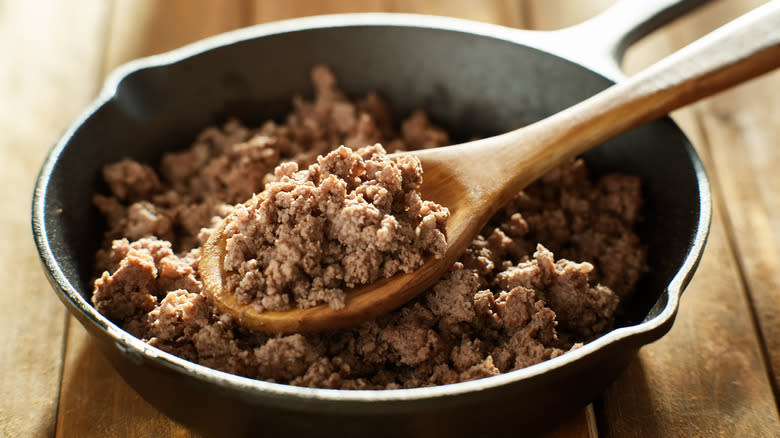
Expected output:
{"points": [[717, 373]]}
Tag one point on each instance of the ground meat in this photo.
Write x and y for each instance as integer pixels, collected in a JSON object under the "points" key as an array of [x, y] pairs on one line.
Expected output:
{"points": [[347, 220], [549, 271]]}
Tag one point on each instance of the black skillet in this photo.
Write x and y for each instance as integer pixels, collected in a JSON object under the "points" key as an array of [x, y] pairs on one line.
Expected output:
{"points": [[472, 78]]}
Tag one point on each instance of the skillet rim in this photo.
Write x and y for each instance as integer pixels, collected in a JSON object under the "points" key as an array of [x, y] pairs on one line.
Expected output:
{"points": [[300, 398]]}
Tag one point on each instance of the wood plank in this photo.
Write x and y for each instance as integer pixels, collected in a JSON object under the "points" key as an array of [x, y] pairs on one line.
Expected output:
{"points": [[147, 27], [581, 425], [50, 55], [505, 12], [743, 127], [96, 402], [263, 11], [557, 14], [734, 133], [706, 377], [90, 384]]}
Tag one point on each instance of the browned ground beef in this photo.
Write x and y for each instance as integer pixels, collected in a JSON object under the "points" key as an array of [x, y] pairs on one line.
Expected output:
{"points": [[506, 304], [347, 220]]}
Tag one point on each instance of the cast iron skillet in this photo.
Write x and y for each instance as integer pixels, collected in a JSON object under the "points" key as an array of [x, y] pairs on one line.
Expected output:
{"points": [[474, 79]]}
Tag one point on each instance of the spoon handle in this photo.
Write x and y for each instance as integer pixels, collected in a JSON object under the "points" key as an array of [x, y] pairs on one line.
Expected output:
{"points": [[734, 53]]}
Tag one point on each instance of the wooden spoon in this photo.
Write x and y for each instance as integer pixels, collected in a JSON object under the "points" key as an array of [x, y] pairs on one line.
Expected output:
{"points": [[475, 179]]}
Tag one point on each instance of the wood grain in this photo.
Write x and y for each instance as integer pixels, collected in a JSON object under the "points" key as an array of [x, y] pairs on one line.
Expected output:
{"points": [[706, 377], [89, 383], [743, 132], [96, 402], [737, 134], [148, 27], [262, 11], [49, 57], [557, 14], [505, 12]]}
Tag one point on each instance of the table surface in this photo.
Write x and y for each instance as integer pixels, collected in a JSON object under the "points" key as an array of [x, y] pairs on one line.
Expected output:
{"points": [[715, 374]]}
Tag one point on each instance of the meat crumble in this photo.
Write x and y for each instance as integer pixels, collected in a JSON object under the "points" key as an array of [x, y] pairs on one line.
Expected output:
{"points": [[548, 273], [348, 220]]}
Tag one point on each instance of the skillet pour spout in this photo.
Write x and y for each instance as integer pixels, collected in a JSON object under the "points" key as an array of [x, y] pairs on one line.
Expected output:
{"points": [[520, 76]]}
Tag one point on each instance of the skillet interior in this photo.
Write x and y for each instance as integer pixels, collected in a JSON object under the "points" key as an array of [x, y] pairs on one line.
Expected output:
{"points": [[470, 84]]}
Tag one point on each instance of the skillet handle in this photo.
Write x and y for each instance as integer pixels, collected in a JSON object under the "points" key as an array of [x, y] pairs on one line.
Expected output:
{"points": [[600, 42]]}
